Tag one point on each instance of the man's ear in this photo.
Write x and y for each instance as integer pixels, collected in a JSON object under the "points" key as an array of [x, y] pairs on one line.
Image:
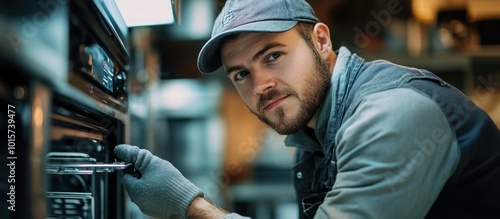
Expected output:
{"points": [[321, 35]]}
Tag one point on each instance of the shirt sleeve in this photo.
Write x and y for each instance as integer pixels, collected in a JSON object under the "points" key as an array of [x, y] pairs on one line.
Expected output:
{"points": [[394, 155]]}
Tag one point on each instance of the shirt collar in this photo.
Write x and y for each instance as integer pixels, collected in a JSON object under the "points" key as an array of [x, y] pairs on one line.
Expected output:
{"points": [[307, 139]]}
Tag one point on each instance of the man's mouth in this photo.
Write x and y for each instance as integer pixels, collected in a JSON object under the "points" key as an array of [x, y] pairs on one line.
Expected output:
{"points": [[274, 102]]}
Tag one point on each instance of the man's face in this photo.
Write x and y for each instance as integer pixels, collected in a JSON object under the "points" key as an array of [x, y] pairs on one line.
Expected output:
{"points": [[281, 78]]}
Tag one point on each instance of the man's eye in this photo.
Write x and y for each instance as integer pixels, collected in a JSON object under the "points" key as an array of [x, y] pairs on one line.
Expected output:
{"points": [[240, 75], [273, 56]]}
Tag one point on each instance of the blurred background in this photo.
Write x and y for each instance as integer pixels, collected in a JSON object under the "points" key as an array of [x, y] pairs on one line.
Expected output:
{"points": [[198, 122]]}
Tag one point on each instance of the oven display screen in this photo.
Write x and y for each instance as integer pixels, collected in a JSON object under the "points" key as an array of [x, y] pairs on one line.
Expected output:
{"points": [[100, 66]]}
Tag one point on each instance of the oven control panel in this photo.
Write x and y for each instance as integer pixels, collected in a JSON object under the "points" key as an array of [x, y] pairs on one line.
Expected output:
{"points": [[98, 55], [96, 65]]}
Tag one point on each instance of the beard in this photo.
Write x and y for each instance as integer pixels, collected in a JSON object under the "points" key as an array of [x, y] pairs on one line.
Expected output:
{"points": [[315, 90]]}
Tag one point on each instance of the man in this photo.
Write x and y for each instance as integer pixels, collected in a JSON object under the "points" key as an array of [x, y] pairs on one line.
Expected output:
{"points": [[374, 139]]}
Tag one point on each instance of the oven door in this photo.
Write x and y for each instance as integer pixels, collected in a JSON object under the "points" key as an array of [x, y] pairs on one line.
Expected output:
{"points": [[83, 175]]}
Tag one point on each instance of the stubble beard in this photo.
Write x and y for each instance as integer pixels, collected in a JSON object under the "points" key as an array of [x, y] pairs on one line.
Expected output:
{"points": [[315, 91]]}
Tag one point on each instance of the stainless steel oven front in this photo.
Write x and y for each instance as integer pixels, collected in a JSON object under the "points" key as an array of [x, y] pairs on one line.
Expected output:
{"points": [[64, 101]]}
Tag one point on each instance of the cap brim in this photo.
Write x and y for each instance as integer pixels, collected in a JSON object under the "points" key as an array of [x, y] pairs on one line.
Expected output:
{"points": [[209, 56]]}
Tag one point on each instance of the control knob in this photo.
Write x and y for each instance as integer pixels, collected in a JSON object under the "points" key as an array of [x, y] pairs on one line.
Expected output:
{"points": [[121, 85]]}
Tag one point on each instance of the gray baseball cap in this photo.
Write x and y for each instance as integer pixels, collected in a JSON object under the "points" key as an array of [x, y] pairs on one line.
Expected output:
{"points": [[263, 16]]}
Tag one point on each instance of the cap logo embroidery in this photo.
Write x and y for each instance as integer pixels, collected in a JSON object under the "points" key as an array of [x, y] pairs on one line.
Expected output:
{"points": [[228, 18]]}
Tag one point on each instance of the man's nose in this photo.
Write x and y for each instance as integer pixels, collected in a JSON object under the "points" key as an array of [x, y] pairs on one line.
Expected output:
{"points": [[262, 82]]}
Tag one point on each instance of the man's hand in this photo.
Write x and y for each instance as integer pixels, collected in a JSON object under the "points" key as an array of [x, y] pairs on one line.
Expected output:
{"points": [[162, 190]]}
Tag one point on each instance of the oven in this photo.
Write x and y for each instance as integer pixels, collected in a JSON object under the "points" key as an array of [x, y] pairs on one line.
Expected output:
{"points": [[64, 97]]}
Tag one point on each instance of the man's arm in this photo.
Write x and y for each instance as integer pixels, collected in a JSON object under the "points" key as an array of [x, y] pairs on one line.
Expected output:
{"points": [[200, 208], [394, 155]]}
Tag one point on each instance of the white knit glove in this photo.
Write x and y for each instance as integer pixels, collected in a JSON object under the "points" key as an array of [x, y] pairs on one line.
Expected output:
{"points": [[161, 190]]}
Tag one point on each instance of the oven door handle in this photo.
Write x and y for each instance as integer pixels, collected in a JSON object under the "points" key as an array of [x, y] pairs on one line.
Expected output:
{"points": [[85, 168]]}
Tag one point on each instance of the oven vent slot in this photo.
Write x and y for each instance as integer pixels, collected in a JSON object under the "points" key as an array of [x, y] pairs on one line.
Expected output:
{"points": [[69, 205]]}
